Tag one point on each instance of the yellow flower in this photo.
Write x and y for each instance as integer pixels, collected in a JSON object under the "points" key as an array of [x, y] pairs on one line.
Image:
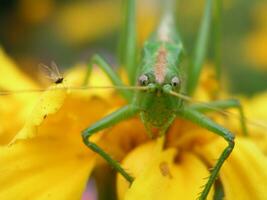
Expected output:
{"points": [[89, 19], [91, 24], [48, 160], [255, 44]]}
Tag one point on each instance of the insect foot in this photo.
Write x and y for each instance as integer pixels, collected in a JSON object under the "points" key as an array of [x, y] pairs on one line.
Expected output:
{"points": [[131, 181]]}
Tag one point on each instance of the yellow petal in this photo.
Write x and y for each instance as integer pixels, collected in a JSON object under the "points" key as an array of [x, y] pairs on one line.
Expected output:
{"points": [[49, 103], [11, 77], [159, 177], [244, 174], [16, 106], [44, 168], [256, 112], [208, 85], [9, 110]]}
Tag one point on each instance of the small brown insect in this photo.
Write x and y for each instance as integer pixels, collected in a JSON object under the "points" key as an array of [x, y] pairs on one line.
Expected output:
{"points": [[52, 72]]}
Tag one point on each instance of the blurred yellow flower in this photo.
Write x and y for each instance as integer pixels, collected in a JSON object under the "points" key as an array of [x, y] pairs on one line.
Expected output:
{"points": [[92, 20], [48, 160], [31, 11], [255, 44]]}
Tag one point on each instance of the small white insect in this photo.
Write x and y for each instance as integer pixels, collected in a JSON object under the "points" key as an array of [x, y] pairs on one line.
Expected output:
{"points": [[51, 72]]}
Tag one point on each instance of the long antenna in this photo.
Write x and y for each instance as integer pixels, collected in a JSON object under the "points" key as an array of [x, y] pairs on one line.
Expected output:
{"points": [[23, 91], [226, 113]]}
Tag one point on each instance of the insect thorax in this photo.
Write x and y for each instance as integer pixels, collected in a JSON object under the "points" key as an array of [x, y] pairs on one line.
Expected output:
{"points": [[160, 57]]}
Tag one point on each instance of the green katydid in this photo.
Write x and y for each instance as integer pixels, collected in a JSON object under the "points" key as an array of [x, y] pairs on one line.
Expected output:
{"points": [[158, 86], [158, 99]]}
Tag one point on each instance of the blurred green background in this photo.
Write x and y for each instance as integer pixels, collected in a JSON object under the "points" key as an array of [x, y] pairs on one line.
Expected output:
{"points": [[68, 32]]}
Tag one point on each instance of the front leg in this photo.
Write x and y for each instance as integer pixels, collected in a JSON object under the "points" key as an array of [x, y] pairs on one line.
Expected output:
{"points": [[110, 120], [203, 121]]}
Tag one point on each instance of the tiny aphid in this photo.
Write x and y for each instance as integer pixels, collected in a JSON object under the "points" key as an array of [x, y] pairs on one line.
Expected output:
{"points": [[51, 72]]}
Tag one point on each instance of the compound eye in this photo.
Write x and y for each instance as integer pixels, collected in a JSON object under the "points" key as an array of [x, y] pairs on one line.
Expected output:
{"points": [[143, 80], [175, 81]]}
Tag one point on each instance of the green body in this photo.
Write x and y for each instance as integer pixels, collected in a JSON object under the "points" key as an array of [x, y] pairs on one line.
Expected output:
{"points": [[160, 73], [158, 109]]}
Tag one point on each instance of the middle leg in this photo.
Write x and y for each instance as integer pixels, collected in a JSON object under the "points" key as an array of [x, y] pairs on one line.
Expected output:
{"points": [[223, 104]]}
